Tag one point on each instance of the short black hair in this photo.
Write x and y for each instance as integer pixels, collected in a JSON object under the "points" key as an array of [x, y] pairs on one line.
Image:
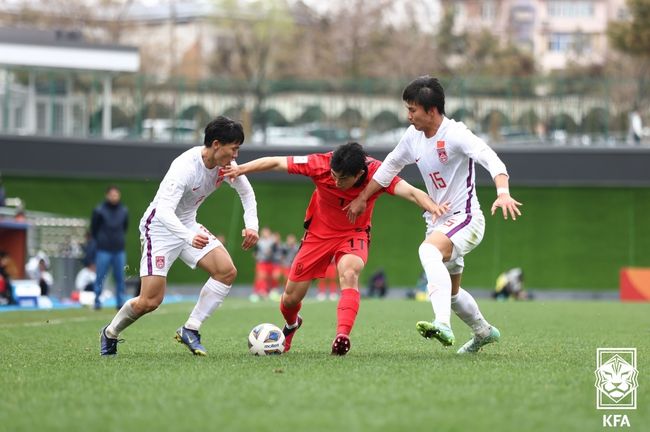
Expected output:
{"points": [[349, 159], [426, 92], [224, 130]]}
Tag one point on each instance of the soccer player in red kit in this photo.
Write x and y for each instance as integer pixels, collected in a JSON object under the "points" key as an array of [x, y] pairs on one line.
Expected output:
{"points": [[339, 177]]}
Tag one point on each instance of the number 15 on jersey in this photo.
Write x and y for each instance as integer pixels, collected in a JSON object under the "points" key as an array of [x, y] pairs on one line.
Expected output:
{"points": [[437, 180]]}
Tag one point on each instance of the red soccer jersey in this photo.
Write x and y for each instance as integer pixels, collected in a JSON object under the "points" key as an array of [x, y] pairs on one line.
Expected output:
{"points": [[326, 205]]}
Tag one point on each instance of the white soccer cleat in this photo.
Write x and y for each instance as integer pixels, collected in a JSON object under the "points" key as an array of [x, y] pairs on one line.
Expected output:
{"points": [[475, 344]]}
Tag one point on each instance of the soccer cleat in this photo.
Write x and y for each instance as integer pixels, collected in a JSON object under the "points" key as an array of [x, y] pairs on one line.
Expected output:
{"points": [[475, 344], [436, 330], [341, 345], [289, 332], [108, 346], [192, 340]]}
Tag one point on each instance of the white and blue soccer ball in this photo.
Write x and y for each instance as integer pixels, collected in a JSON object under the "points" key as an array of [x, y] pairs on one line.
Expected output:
{"points": [[266, 339]]}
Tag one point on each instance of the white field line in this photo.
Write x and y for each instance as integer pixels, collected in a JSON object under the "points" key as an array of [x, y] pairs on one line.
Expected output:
{"points": [[55, 321]]}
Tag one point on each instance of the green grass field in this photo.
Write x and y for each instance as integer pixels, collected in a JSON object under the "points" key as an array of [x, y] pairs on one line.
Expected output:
{"points": [[539, 378]]}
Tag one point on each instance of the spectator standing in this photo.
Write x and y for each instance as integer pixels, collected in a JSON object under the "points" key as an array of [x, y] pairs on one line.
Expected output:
{"points": [[378, 284], [636, 126], [108, 226], [89, 251], [264, 250]]}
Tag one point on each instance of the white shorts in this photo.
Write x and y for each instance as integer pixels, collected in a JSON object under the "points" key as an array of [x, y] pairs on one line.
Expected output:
{"points": [[464, 230], [160, 249]]}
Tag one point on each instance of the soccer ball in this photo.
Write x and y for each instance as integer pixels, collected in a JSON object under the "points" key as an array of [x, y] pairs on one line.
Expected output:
{"points": [[266, 339]]}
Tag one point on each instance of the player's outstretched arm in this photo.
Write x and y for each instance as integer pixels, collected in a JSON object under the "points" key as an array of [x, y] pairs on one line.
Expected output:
{"points": [[422, 199], [269, 163], [358, 205], [507, 203]]}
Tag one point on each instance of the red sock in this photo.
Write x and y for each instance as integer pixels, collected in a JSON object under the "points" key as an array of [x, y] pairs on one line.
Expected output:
{"points": [[346, 312], [290, 314]]}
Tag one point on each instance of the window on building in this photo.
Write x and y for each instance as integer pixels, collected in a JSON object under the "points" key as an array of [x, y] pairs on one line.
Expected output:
{"points": [[571, 9], [558, 42], [19, 117], [459, 11], [41, 118], [57, 126], [488, 10], [622, 14], [565, 42]]}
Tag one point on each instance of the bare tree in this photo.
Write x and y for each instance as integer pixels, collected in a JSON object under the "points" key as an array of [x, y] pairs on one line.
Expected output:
{"points": [[257, 33]]}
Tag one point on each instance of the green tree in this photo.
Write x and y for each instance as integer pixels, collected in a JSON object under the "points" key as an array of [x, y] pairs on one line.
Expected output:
{"points": [[632, 37]]}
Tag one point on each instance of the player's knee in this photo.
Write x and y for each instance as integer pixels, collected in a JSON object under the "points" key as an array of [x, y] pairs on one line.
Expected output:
{"points": [[428, 253], [290, 300], [349, 278], [227, 276], [146, 305]]}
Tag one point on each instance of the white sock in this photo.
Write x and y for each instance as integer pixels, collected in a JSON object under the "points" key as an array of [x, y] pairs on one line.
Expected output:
{"points": [[467, 310], [123, 318], [212, 295], [438, 282]]}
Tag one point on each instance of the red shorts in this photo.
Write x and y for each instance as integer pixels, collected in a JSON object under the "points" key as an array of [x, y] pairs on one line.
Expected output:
{"points": [[263, 267], [316, 253], [330, 272]]}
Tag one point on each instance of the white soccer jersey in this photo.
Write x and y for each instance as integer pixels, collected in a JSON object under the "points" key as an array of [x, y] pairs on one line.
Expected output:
{"points": [[446, 162], [185, 186]]}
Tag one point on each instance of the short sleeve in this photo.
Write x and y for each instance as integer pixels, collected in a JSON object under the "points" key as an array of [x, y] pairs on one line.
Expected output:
{"points": [[309, 165]]}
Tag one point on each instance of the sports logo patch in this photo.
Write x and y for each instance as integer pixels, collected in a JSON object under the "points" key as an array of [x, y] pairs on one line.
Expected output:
{"points": [[300, 159], [160, 262], [442, 153]]}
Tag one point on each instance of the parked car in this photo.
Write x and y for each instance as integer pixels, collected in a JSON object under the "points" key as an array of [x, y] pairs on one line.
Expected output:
{"points": [[389, 138], [170, 130], [285, 136]]}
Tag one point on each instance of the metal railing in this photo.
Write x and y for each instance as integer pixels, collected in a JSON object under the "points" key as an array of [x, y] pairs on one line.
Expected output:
{"points": [[580, 112]]}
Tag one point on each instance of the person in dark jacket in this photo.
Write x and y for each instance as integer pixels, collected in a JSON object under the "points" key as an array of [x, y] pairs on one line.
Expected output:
{"points": [[108, 226]]}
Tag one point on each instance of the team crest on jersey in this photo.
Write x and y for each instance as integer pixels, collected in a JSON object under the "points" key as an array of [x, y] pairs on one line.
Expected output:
{"points": [[160, 262], [442, 153]]}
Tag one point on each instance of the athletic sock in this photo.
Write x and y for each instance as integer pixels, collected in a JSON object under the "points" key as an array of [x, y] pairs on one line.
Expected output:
{"points": [[346, 312], [438, 282], [290, 314], [467, 310], [212, 295], [122, 319]]}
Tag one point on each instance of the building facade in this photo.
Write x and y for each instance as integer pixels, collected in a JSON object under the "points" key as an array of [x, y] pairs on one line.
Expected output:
{"points": [[556, 32]]}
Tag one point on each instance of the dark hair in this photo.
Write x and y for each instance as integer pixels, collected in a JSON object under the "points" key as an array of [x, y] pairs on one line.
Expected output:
{"points": [[349, 159], [112, 187], [426, 92], [224, 130]]}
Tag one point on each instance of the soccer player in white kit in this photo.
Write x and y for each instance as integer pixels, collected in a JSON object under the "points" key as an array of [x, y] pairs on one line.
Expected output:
{"points": [[445, 152], [169, 230]]}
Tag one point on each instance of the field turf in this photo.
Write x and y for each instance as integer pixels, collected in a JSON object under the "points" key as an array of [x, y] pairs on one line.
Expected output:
{"points": [[539, 378]]}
